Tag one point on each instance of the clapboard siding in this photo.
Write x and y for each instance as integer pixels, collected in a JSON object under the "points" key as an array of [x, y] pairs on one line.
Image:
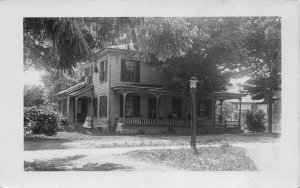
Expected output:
{"points": [[101, 89], [147, 75]]}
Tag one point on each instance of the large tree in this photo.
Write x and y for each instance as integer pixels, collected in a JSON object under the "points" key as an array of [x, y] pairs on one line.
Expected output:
{"points": [[213, 58], [60, 43], [262, 49]]}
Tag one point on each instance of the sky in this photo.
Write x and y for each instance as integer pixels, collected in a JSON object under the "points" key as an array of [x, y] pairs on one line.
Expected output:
{"points": [[33, 77]]}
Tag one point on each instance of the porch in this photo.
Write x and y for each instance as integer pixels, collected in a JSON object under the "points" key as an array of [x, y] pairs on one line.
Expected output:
{"points": [[76, 103], [168, 111]]}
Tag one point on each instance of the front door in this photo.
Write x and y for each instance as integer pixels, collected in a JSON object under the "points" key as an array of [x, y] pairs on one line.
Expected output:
{"points": [[82, 109], [152, 108]]}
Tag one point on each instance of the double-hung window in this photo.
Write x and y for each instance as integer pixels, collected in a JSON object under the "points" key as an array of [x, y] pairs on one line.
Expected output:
{"points": [[130, 70], [132, 106]]}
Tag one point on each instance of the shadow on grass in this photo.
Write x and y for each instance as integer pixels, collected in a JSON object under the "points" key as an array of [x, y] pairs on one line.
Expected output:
{"points": [[65, 164], [44, 144], [55, 164], [103, 167]]}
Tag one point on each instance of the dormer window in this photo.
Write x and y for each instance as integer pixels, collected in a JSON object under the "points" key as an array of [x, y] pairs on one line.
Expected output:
{"points": [[130, 70], [88, 72]]}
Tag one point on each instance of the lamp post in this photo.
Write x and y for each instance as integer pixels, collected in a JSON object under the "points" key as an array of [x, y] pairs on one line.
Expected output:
{"points": [[193, 90]]}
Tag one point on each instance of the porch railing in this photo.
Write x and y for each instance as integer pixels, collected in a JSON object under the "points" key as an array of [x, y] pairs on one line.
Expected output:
{"points": [[227, 124], [175, 122], [159, 122]]}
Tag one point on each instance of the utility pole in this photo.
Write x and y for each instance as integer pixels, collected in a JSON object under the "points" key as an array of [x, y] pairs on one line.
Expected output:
{"points": [[193, 90]]}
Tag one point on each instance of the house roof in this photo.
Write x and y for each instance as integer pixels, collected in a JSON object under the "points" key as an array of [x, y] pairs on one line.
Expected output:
{"points": [[121, 47], [158, 89], [227, 95], [129, 46], [74, 90]]}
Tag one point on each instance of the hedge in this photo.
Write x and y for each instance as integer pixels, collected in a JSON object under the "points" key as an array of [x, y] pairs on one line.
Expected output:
{"points": [[42, 121]]}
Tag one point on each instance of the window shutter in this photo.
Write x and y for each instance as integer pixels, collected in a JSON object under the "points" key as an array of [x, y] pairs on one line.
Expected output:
{"points": [[121, 105], [100, 73], [95, 104], [105, 106], [100, 108], [137, 71], [123, 69], [106, 68]]}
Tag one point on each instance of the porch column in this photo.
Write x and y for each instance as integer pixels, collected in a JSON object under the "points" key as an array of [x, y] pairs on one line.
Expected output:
{"points": [[124, 103], [156, 108], [68, 108], [92, 113], [240, 112], [76, 102]]}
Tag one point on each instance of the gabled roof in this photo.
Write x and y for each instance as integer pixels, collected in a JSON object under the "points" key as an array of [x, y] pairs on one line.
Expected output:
{"points": [[74, 90], [116, 48]]}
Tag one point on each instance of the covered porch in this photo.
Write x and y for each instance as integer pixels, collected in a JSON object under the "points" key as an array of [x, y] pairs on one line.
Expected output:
{"points": [[76, 103], [158, 110]]}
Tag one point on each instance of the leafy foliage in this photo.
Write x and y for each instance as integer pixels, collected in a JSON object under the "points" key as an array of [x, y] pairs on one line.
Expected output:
{"points": [[255, 121], [34, 95], [54, 43], [262, 44], [54, 84], [42, 121], [60, 43]]}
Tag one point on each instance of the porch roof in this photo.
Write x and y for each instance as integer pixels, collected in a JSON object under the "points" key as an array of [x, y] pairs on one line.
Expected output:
{"points": [[148, 88], [74, 90], [159, 89]]}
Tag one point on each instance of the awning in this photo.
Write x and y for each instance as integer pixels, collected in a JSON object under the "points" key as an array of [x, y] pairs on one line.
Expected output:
{"points": [[74, 90]]}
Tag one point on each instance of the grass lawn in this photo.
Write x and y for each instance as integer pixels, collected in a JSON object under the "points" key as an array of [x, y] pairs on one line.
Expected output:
{"points": [[73, 140], [223, 158]]}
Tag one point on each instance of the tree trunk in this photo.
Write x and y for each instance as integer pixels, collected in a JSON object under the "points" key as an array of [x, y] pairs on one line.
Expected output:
{"points": [[270, 113]]}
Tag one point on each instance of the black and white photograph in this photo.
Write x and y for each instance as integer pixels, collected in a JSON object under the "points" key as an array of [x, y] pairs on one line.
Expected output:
{"points": [[162, 96]]}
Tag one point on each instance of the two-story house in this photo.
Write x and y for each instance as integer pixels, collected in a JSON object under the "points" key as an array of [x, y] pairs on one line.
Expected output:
{"points": [[122, 93]]}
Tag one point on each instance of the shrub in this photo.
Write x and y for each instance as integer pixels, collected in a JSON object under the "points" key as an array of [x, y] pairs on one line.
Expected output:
{"points": [[42, 121], [255, 121]]}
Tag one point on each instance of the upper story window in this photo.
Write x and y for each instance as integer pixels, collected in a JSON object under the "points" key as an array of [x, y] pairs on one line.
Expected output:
{"points": [[103, 71], [204, 108], [88, 76], [130, 70]]}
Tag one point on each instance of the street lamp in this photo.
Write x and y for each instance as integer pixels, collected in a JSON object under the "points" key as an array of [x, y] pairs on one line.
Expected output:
{"points": [[193, 90]]}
